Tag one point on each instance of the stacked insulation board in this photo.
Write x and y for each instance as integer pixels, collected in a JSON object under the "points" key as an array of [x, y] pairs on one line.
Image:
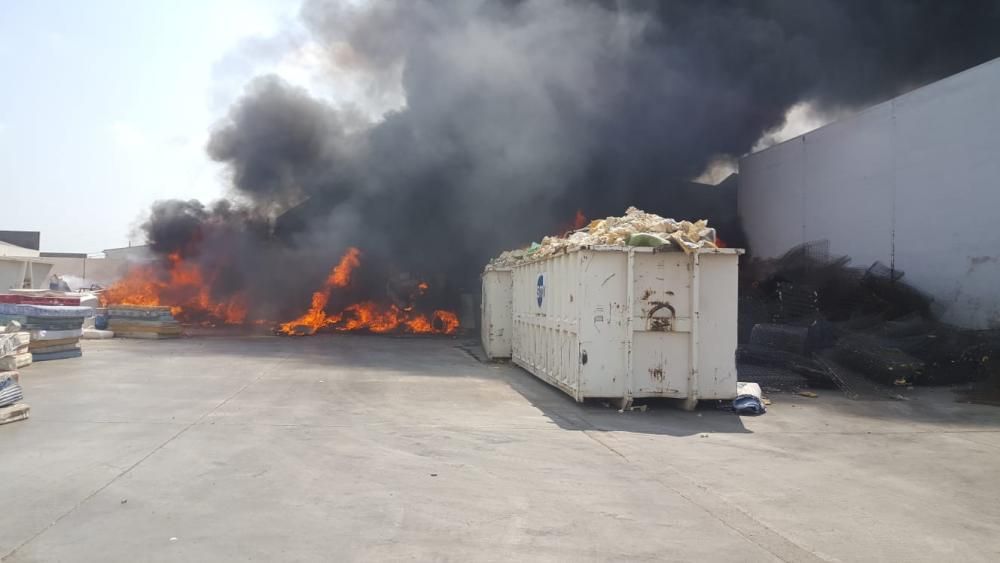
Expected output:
{"points": [[55, 324], [134, 321]]}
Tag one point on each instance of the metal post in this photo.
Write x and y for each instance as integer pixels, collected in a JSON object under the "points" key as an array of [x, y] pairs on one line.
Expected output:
{"points": [[692, 399], [629, 328]]}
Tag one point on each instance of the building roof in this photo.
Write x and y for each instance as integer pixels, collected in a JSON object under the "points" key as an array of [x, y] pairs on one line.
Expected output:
{"points": [[63, 254], [24, 239]]}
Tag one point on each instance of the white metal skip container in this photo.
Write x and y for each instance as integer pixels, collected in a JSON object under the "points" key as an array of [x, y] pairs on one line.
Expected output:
{"points": [[629, 322], [498, 320]]}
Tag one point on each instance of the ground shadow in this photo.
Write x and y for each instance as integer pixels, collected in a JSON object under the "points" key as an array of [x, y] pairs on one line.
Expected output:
{"points": [[661, 416], [439, 357], [461, 358]]}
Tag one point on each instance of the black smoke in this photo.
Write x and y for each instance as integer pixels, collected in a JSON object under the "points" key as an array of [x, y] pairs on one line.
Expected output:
{"points": [[518, 113]]}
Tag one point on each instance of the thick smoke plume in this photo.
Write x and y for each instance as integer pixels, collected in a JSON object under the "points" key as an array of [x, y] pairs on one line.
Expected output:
{"points": [[519, 113]]}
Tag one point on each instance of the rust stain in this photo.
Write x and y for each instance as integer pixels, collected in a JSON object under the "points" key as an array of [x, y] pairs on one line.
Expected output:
{"points": [[661, 324], [646, 294], [656, 373]]}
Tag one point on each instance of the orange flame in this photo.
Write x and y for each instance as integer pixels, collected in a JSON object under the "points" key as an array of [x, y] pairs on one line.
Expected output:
{"points": [[315, 318], [341, 274], [366, 315], [579, 221], [182, 286]]}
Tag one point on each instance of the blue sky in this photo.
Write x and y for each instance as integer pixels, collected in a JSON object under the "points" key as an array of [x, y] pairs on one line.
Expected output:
{"points": [[106, 106]]}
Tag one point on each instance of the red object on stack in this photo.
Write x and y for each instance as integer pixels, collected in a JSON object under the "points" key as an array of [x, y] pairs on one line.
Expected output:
{"points": [[37, 300]]}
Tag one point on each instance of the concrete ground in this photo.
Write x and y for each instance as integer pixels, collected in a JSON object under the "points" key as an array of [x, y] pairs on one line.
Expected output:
{"points": [[364, 448]]}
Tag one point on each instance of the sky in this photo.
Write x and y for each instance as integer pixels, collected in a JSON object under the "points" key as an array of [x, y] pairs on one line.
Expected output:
{"points": [[106, 106]]}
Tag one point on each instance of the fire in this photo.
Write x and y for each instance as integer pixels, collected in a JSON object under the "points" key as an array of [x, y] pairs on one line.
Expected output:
{"points": [[341, 274], [182, 285], [373, 318], [367, 315], [315, 318], [578, 222]]}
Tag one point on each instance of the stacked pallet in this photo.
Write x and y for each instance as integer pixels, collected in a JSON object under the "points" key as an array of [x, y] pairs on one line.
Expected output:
{"points": [[55, 324], [134, 321]]}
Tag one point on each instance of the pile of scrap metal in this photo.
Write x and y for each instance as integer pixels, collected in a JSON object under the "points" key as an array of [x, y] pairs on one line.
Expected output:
{"points": [[809, 319], [635, 228]]}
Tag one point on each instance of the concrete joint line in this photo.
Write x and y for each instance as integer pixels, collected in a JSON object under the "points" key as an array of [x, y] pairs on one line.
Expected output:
{"points": [[727, 513]]}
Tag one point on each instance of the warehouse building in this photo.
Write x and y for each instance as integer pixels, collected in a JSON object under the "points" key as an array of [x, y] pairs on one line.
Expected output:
{"points": [[911, 183]]}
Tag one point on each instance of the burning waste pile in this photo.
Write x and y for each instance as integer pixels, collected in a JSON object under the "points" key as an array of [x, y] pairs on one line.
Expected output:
{"points": [[366, 315], [153, 299], [810, 319]]}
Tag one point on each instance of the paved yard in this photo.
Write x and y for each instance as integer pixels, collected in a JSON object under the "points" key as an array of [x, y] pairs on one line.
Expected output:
{"points": [[364, 448]]}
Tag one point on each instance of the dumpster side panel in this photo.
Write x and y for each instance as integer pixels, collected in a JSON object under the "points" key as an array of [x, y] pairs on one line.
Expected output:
{"points": [[546, 319], [585, 323], [717, 340], [661, 338], [497, 323], [603, 346]]}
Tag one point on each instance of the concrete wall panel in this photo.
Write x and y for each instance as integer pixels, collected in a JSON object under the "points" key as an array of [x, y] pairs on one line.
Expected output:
{"points": [[913, 182]]}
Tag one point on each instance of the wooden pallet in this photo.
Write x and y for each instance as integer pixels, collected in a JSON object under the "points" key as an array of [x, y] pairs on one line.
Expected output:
{"points": [[14, 413]]}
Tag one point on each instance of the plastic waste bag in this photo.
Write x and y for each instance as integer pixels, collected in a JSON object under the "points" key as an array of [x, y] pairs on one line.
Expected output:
{"points": [[646, 239], [748, 404]]}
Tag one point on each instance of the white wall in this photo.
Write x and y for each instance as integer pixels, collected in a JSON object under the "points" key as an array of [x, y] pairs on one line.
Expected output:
{"points": [[7, 249], [23, 273], [914, 181]]}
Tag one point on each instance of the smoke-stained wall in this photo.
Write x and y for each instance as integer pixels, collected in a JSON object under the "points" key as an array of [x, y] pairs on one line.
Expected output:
{"points": [[913, 182]]}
